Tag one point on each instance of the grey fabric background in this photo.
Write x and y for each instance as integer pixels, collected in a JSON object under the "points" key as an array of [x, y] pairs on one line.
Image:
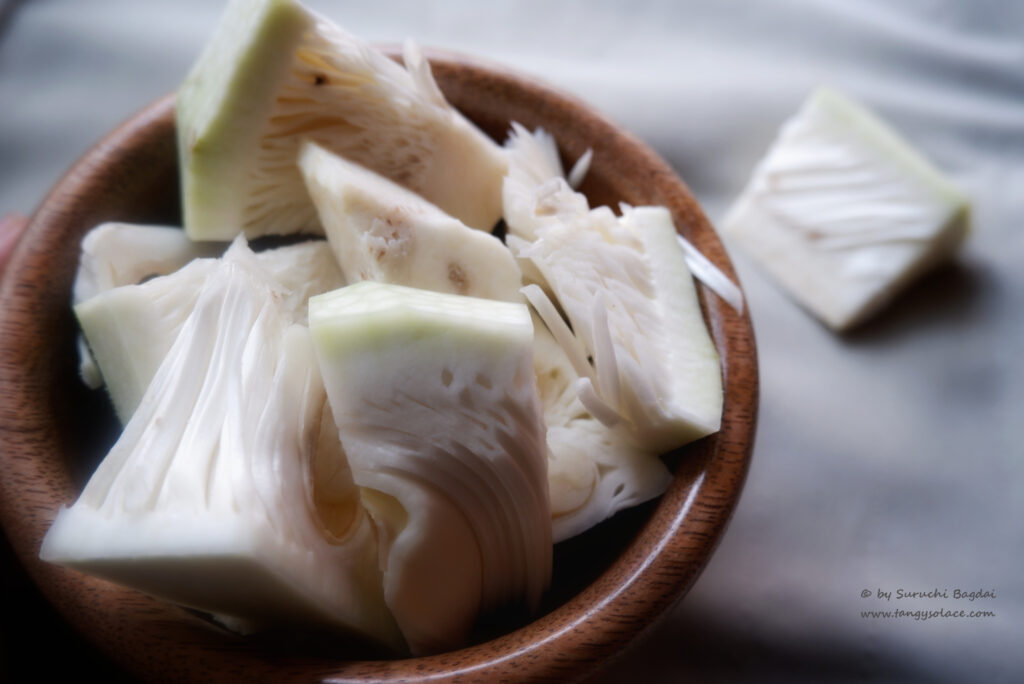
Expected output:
{"points": [[890, 458]]}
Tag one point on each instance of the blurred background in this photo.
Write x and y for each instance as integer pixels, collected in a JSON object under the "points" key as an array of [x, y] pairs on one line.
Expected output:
{"points": [[887, 459]]}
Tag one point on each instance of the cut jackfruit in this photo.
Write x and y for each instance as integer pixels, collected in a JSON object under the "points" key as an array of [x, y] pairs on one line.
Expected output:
{"points": [[632, 304], [204, 498], [381, 231], [844, 213], [535, 192], [638, 340], [594, 470], [274, 74], [115, 254], [636, 374], [129, 329], [438, 412]]}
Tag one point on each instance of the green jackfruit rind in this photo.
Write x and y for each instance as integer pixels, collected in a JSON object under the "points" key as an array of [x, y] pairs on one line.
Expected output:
{"points": [[384, 311], [223, 105], [275, 73], [693, 362]]}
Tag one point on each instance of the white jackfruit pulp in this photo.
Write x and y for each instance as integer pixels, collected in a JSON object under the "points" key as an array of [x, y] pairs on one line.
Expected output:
{"points": [[437, 409], [275, 74], [844, 213], [380, 231], [130, 328], [638, 375], [204, 499]]}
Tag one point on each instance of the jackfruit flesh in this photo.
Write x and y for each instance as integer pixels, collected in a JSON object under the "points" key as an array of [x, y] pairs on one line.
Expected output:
{"points": [[437, 409], [843, 213], [203, 499], [274, 74]]}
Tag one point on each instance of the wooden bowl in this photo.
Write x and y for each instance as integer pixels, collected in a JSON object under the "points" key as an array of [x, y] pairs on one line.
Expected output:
{"points": [[609, 584]]}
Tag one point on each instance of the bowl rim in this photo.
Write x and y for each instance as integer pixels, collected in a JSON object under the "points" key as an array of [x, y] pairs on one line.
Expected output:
{"points": [[654, 571]]}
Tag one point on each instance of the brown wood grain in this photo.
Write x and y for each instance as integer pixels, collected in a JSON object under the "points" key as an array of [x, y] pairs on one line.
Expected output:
{"points": [[610, 584]]}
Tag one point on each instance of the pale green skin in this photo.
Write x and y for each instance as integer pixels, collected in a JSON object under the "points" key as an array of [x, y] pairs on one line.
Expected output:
{"points": [[223, 105], [362, 316]]}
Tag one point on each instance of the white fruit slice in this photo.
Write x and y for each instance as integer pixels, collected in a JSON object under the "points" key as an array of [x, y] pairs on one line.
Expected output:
{"points": [[536, 194], [129, 329], [273, 74], [115, 254], [625, 288], [302, 270], [844, 213], [437, 410], [204, 498], [381, 231], [594, 470], [637, 374]]}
